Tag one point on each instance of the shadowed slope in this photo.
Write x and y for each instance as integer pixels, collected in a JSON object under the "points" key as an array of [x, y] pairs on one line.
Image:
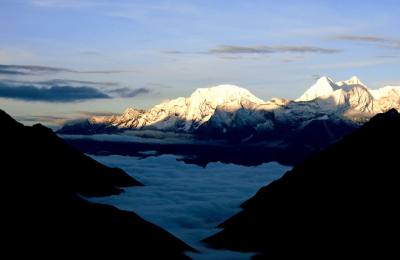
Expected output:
{"points": [[44, 214], [342, 201], [38, 148]]}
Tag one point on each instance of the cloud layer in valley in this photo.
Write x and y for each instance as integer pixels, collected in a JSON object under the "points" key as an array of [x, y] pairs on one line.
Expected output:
{"points": [[188, 200]]}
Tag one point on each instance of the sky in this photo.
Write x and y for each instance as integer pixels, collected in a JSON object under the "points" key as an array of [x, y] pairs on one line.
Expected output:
{"points": [[63, 59]]}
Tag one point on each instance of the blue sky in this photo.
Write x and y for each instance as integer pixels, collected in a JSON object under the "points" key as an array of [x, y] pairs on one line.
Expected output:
{"points": [[138, 53]]}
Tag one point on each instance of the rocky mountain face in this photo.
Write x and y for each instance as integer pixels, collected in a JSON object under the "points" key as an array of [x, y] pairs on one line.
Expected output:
{"points": [[339, 202], [233, 113], [44, 210]]}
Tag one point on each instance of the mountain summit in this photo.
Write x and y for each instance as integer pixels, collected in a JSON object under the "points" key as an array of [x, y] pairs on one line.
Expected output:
{"points": [[351, 92], [323, 87], [187, 114], [352, 81]]}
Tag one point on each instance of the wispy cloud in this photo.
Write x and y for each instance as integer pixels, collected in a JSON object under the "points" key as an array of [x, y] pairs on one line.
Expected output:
{"points": [[34, 70], [56, 121], [105, 71], [12, 72], [174, 52], [128, 92], [78, 82], [29, 69], [51, 94], [370, 39], [66, 90], [61, 82], [232, 51], [265, 49], [359, 38], [231, 57]]}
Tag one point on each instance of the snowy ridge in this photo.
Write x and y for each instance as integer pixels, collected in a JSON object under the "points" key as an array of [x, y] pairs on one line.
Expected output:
{"points": [[352, 81], [231, 110], [186, 114], [354, 94]]}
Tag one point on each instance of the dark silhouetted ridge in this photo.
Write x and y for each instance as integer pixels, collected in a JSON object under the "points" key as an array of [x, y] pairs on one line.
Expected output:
{"points": [[44, 212], [340, 202]]}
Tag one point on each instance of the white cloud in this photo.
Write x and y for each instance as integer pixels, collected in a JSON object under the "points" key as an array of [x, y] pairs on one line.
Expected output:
{"points": [[146, 136], [187, 200]]}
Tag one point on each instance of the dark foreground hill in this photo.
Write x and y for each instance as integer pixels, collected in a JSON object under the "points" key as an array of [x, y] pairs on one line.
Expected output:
{"points": [[44, 214], [340, 202]]}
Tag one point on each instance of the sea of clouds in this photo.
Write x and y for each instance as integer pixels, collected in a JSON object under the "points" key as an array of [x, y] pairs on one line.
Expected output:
{"points": [[187, 200], [146, 136]]}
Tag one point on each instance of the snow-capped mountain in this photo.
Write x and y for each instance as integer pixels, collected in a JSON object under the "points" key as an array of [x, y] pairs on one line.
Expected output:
{"points": [[324, 86], [187, 114], [228, 111], [387, 97], [351, 94]]}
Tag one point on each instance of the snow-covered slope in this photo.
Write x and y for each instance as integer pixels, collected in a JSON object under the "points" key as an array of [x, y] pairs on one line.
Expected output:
{"points": [[228, 110], [352, 95], [323, 87], [186, 114], [352, 81]]}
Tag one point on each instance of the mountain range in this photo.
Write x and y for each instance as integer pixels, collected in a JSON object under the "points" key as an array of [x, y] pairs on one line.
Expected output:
{"points": [[235, 114], [338, 202]]}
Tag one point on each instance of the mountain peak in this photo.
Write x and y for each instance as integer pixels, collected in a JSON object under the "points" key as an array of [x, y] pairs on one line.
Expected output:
{"points": [[324, 79], [224, 93], [324, 86], [130, 111], [224, 88], [354, 80], [7, 121]]}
